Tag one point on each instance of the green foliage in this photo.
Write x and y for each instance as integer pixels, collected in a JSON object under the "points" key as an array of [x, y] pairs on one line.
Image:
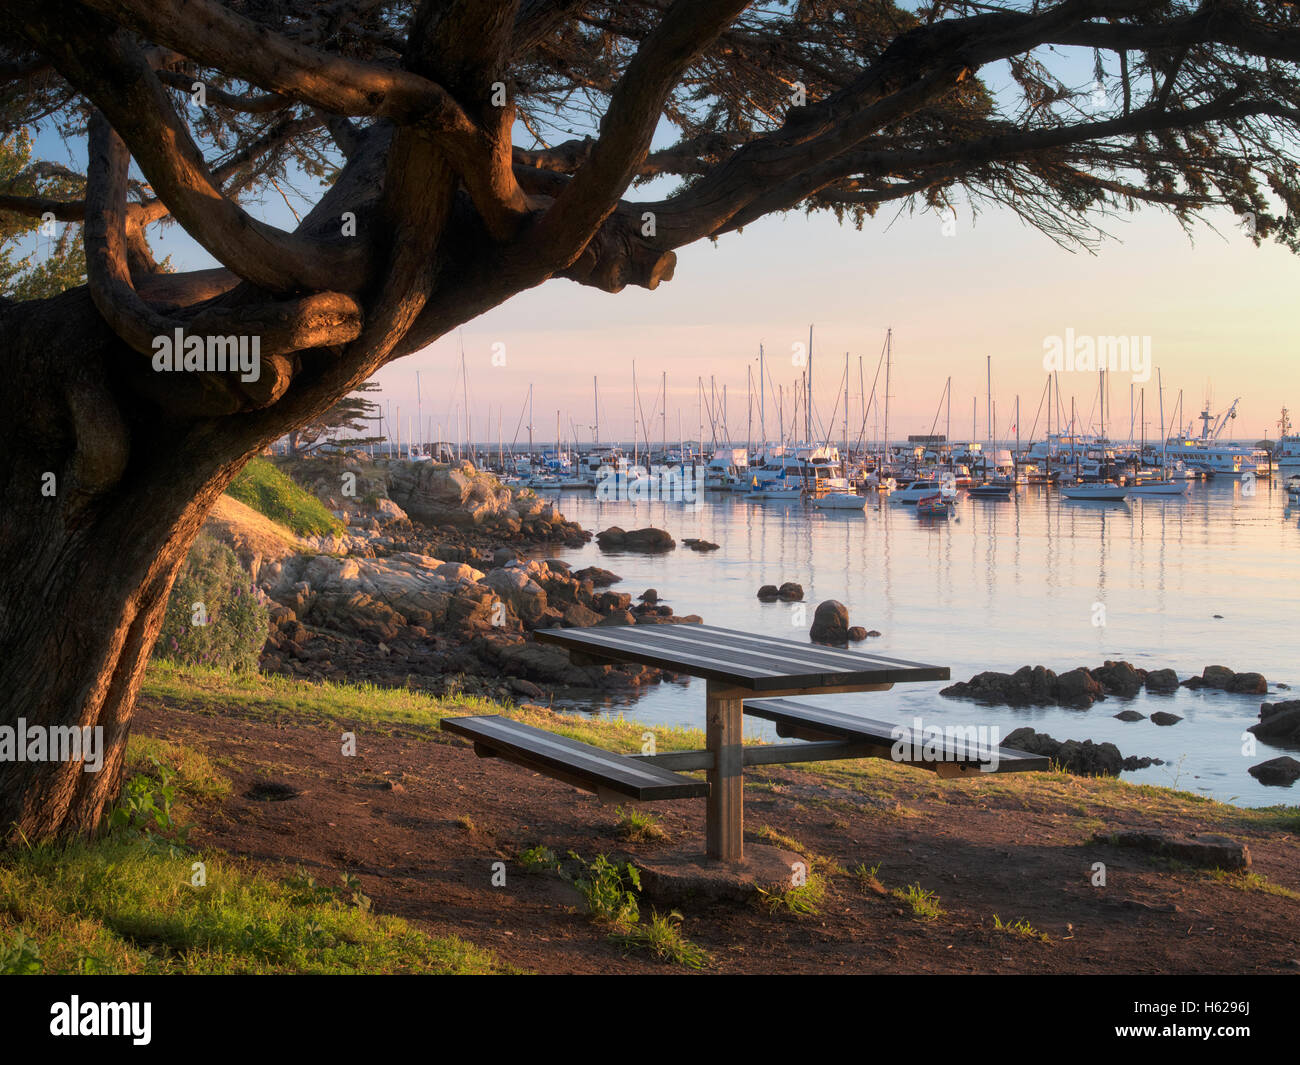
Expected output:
{"points": [[802, 900], [20, 956], [538, 859], [1019, 928], [267, 490], [34, 263], [924, 904], [119, 904], [352, 412], [146, 806], [609, 889], [639, 826], [235, 619], [662, 938]]}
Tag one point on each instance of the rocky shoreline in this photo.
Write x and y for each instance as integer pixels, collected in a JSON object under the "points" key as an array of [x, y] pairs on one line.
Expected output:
{"points": [[431, 586]]}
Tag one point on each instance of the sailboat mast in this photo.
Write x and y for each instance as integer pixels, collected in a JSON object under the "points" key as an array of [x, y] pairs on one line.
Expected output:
{"points": [[884, 435], [807, 413]]}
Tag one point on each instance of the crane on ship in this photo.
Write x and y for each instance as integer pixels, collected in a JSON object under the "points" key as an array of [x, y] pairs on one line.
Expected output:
{"points": [[1211, 432]]}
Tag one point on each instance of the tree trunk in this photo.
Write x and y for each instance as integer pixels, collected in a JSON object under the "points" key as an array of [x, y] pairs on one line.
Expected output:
{"points": [[102, 499]]}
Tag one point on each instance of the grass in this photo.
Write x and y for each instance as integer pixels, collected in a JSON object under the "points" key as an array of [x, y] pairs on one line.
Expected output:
{"points": [[539, 859], [133, 902], [1020, 927], [923, 904], [639, 826], [661, 937], [1244, 881], [125, 906], [263, 487], [868, 878]]}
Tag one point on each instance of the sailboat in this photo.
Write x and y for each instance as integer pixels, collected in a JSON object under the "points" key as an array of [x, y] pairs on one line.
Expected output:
{"points": [[991, 488], [1164, 486]]}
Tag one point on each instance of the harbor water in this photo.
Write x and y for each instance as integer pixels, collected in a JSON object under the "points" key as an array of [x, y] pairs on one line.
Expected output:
{"points": [[1209, 579]]}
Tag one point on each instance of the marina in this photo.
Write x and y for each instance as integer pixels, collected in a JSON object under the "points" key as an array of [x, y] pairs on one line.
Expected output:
{"points": [[1001, 585]]}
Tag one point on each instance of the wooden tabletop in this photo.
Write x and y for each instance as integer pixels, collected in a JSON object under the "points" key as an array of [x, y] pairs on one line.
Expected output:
{"points": [[742, 659]]}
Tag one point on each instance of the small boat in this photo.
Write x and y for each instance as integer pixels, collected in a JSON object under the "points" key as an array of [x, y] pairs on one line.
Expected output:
{"points": [[1103, 491], [916, 491], [991, 490], [840, 501], [1159, 488], [932, 506]]}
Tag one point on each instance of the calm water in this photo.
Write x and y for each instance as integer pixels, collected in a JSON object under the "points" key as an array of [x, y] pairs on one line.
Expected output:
{"points": [[1001, 585]]}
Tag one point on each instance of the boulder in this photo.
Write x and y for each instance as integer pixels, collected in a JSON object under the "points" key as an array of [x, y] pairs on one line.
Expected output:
{"points": [[601, 578], [1119, 678], [1083, 758], [1130, 715], [648, 540], [1162, 718], [1217, 677], [1162, 680], [769, 593], [519, 591], [578, 616], [1078, 689], [1279, 722], [650, 595], [538, 662], [1209, 851], [700, 545], [1277, 772], [1248, 684], [790, 592], [830, 623], [857, 634]]}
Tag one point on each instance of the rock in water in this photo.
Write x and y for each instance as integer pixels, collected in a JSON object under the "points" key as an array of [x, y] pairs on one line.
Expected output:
{"points": [[1217, 677], [769, 592], [1279, 721], [790, 592], [1282, 771], [1130, 715], [857, 634], [1162, 718], [1119, 678], [1162, 680], [648, 539], [830, 623], [1249, 684]]}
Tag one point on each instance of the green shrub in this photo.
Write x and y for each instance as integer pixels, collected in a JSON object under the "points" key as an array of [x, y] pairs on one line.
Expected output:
{"points": [[268, 491], [234, 617]]}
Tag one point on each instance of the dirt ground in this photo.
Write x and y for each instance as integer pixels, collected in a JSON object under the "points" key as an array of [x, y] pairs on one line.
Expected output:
{"points": [[423, 849]]}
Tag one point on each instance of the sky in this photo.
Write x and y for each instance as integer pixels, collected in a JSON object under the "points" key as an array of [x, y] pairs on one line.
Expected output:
{"points": [[1215, 313]]}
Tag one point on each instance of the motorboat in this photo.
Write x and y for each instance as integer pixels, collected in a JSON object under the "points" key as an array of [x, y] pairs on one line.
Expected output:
{"points": [[1102, 491], [918, 490], [840, 501], [1158, 488], [991, 490]]}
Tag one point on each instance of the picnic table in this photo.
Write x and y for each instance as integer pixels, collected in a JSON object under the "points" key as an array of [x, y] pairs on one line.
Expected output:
{"points": [[744, 673]]}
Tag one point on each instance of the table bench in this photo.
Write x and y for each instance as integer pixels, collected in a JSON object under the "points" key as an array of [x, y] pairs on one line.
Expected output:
{"points": [[737, 666], [834, 734], [580, 764]]}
